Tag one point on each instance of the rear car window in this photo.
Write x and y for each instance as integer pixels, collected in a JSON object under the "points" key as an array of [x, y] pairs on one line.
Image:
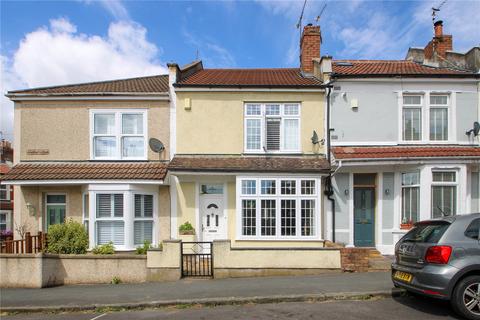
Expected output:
{"points": [[427, 232], [473, 229]]}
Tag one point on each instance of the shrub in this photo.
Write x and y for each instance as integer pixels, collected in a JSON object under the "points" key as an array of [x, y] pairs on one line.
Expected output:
{"points": [[107, 248], [69, 237], [143, 249], [116, 280], [186, 228]]}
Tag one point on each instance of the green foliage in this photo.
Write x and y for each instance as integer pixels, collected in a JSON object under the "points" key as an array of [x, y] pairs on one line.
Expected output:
{"points": [[107, 248], [186, 227], [143, 249], [116, 280], [68, 238]]}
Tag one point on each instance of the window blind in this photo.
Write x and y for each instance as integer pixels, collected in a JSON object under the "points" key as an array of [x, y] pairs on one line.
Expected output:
{"points": [[273, 134], [143, 231], [110, 231]]}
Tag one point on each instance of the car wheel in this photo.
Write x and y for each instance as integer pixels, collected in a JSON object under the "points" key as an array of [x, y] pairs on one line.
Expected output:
{"points": [[466, 298]]}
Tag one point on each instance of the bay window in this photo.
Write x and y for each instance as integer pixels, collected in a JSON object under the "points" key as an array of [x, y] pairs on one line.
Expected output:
{"points": [[444, 193], [119, 134], [109, 216], [278, 208], [272, 127], [410, 197], [143, 223]]}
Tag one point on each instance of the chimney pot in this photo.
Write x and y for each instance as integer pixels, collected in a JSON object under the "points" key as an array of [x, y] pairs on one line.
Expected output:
{"points": [[438, 27]]}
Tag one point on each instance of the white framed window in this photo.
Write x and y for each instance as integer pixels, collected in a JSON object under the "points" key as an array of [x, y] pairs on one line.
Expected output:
{"points": [[86, 211], [272, 127], [143, 220], [426, 117], [118, 134], [439, 117], [4, 192], [278, 208], [110, 223], [412, 117], [410, 197], [444, 193]]}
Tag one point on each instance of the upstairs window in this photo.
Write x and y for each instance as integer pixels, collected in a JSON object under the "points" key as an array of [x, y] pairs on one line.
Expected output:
{"points": [[272, 127], [425, 117], [439, 117], [119, 134], [412, 118]]}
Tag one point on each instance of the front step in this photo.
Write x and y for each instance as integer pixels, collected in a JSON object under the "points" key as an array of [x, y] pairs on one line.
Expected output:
{"points": [[378, 262]]}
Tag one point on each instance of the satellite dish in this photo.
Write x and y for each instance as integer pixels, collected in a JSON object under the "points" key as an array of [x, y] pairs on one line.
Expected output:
{"points": [[475, 130], [156, 145]]}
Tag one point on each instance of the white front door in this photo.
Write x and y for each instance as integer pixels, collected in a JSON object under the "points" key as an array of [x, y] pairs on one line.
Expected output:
{"points": [[212, 216]]}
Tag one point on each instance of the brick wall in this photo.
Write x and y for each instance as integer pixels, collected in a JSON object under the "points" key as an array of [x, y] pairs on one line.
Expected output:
{"points": [[355, 259]]}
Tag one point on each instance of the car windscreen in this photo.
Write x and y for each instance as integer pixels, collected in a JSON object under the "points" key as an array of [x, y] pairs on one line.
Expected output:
{"points": [[428, 232]]}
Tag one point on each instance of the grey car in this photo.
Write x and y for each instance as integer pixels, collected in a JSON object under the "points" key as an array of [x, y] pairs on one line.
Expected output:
{"points": [[441, 258]]}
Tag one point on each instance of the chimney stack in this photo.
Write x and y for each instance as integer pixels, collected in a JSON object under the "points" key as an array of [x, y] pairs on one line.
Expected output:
{"points": [[440, 44], [309, 47]]}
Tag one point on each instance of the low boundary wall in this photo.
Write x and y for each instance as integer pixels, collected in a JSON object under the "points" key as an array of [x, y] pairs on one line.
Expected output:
{"points": [[46, 270]]}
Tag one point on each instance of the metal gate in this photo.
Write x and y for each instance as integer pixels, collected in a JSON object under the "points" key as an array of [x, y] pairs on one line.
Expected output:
{"points": [[197, 259]]}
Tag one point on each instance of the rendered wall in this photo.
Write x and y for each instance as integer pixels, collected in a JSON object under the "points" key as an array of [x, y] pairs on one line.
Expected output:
{"points": [[214, 124], [63, 127]]}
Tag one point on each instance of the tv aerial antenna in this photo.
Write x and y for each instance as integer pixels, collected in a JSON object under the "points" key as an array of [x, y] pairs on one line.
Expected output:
{"points": [[299, 23], [437, 9], [317, 20]]}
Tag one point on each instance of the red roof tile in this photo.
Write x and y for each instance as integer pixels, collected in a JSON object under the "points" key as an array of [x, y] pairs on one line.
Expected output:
{"points": [[390, 68], [88, 171], [152, 84], [405, 152], [250, 77], [4, 168], [312, 164]]}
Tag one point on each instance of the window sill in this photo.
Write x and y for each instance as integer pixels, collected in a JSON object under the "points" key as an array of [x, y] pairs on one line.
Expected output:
{"points": [[279, 239]]}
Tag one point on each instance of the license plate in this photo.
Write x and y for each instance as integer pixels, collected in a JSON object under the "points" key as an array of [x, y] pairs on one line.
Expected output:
{"points": [[403, 276]]}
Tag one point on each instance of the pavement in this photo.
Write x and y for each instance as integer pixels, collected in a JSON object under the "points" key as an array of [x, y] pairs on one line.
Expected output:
{"points": [[205, 292], [400, 308]]}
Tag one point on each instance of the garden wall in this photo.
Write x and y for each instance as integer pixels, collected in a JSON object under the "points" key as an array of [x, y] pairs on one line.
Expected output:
{"points": [[45, 270]]}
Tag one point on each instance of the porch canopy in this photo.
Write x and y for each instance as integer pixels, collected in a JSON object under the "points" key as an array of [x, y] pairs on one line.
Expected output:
{"points": [[238, 163], [405, 153], [85, 172]]}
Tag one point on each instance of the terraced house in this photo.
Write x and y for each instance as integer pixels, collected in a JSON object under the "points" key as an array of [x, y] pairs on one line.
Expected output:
{"points": [[404, 142], [81, 152], [249, 162]]}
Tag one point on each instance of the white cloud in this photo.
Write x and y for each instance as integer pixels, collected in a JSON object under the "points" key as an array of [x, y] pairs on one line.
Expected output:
{"points": [[116, 9], [58, 54]]}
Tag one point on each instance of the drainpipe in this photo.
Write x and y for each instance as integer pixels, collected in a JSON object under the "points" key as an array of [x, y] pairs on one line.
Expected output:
{"points": [[328, 185]]}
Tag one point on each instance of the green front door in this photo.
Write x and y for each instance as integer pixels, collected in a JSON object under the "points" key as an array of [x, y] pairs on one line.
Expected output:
{"points": [[55, 209], [55, 214], [364, 216]]}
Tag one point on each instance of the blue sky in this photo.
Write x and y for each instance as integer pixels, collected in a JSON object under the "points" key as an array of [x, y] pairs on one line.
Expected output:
{"points": [[56, 42]]}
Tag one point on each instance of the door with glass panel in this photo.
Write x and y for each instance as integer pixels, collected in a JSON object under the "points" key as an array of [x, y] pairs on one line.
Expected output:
{"points": [[364, 210], [55, 209], [211, 211]]}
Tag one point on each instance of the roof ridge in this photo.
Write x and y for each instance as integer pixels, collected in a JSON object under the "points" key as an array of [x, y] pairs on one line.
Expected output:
{"points": [[249, 69], [86, 83]]}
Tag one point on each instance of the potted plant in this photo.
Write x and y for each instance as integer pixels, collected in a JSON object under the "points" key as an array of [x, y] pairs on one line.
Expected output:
{"points": [[6, 235], [406, 224], [187, 232]]}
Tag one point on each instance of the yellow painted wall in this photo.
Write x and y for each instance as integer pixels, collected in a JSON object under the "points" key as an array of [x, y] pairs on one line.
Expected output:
{"points": [[214, 124], [63, 127]]}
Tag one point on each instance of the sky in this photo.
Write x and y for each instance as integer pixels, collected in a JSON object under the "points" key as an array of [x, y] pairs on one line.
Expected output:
{"points": [[44, 43]]}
